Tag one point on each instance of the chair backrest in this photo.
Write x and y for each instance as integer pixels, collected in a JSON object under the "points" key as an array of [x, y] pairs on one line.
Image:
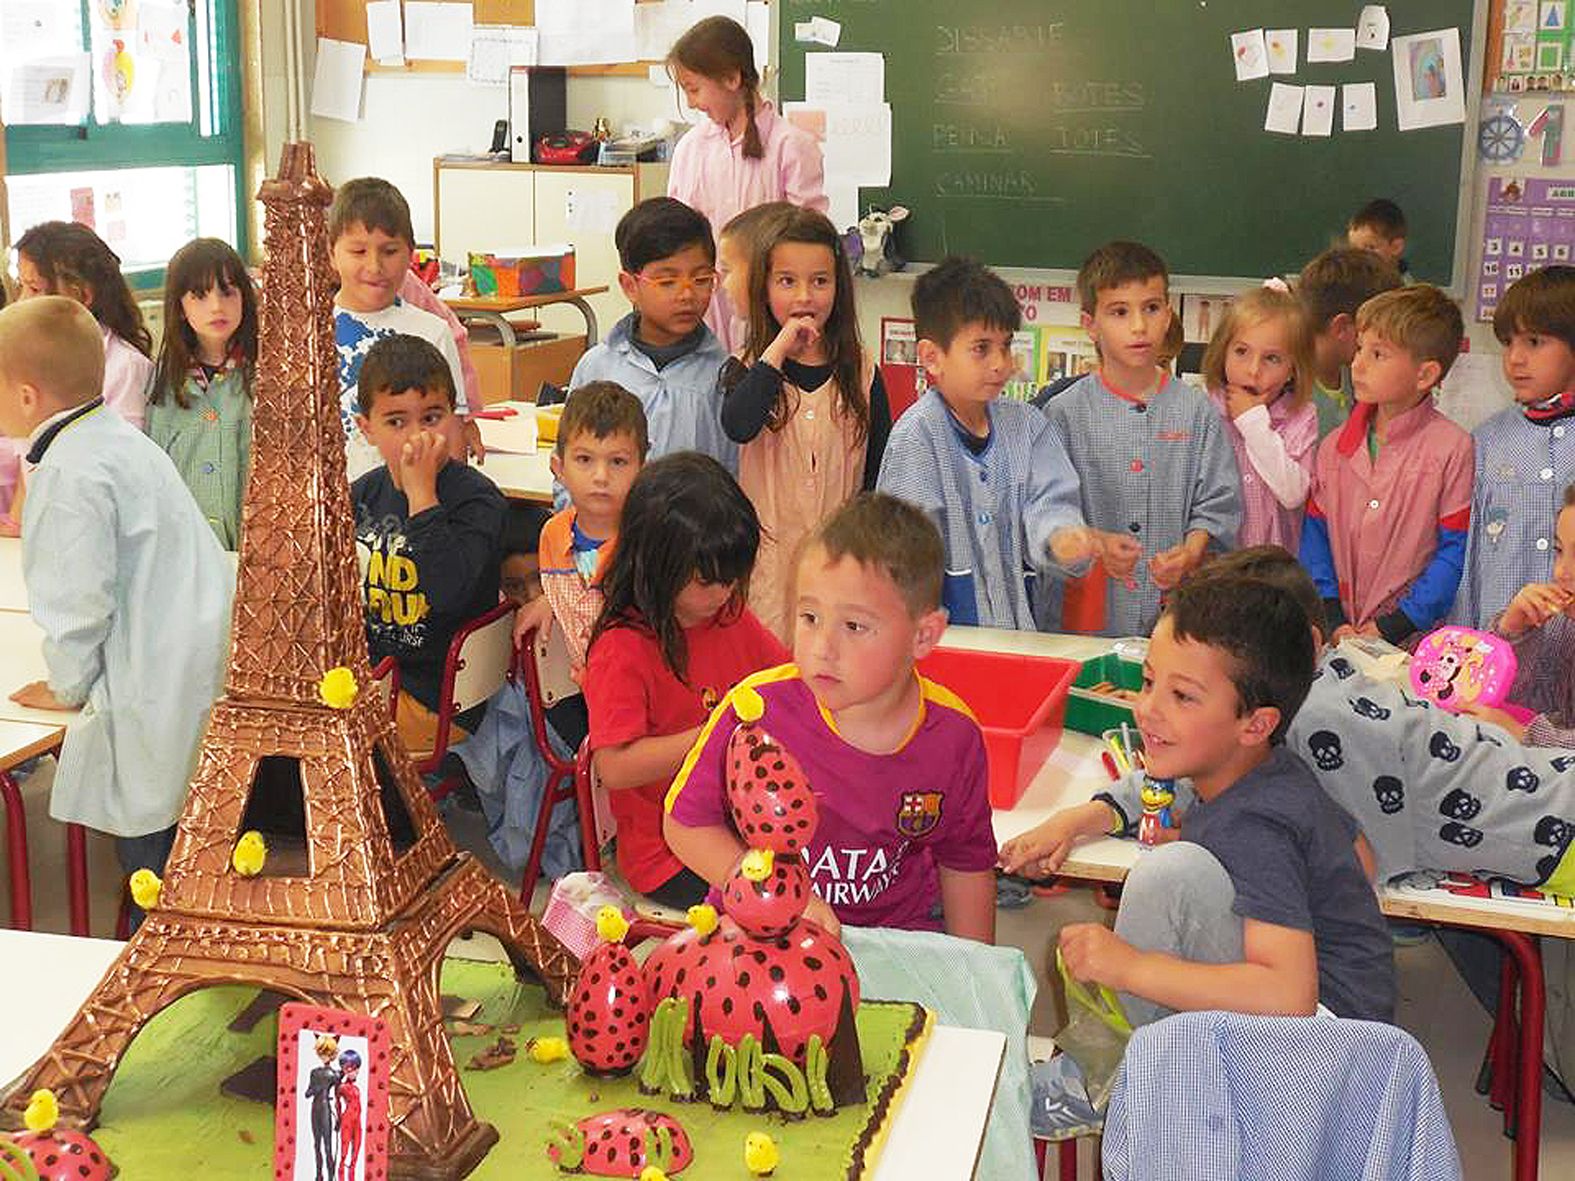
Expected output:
{"points": [[554, 673], [480, 656], [1211, 1095]]}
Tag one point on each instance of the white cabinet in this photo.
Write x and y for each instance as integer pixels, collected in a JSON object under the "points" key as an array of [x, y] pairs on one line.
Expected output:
{"points": [[485, 206]]}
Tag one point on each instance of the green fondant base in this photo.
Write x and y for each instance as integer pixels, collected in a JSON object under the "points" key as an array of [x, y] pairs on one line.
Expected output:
{"points": [[165, 1117]]}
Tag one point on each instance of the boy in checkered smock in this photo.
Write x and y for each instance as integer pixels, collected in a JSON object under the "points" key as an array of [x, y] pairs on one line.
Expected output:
{"points": [[1156, 467]]}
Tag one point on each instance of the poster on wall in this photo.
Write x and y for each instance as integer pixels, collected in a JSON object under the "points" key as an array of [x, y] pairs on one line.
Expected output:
{"points": [[1530, 223]]}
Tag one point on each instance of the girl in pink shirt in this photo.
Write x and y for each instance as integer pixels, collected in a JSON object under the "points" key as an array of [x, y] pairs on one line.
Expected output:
{"points": [[806, 403], [1259, 369], [745, 154], [66, 258]]}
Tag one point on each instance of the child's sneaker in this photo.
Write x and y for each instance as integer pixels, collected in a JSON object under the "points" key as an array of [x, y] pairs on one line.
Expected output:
{"points": [[1060, 1109]]}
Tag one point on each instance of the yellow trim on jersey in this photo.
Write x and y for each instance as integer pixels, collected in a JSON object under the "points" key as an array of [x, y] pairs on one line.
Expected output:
{"points": [[766, 676], [929, 692]]}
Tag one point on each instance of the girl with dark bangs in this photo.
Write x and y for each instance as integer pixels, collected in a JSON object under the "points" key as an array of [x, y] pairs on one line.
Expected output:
{"points": [[200, 403], [673, 637]]}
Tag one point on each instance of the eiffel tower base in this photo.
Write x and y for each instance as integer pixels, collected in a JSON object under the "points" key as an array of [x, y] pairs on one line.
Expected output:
{"points": [[389, 973]]}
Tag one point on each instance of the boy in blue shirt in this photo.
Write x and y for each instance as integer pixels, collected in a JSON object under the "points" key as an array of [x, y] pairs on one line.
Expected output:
{"points": [[662, 352], [1150, 451], [427, 529], [991, 473], [1264, 904]]}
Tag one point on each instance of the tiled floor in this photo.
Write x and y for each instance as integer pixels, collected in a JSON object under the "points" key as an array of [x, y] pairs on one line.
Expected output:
{"points": [[1435, 1004]]}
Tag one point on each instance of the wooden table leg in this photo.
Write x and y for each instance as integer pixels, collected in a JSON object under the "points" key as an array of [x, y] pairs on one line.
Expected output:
{"points": [[18, 867]]}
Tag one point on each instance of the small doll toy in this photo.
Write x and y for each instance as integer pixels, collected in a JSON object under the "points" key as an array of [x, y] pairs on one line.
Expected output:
{"points": [[1157, 796]]}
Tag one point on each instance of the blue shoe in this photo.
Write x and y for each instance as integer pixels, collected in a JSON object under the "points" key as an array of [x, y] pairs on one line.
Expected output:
{"points": [[1060, 1109]]}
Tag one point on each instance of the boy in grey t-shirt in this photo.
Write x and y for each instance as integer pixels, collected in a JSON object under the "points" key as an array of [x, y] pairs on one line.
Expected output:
{"points": [[1264, 906]]}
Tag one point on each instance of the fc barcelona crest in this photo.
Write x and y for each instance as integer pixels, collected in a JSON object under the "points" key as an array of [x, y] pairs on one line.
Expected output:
{"points": [[919, 812]]}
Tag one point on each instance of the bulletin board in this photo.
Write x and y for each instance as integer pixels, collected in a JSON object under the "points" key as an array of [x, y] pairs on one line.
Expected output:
{"points": [[1026, 133], [345, 20]]}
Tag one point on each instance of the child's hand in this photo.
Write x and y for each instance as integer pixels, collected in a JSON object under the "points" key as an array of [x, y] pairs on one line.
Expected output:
{"points": [[1043, 849], [817, 911], [1344, 632], [1093, 953], [9, 527], [536, 616], [467, 443], [1118, 553], [1072, 545], [38, 696], [1169, 567], [1536, 603], [1500, 718], [797, 336], [1239, 399], [420, 460]]}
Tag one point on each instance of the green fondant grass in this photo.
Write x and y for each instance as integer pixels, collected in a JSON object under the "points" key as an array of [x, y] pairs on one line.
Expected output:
{"points": [[164, 1116]]}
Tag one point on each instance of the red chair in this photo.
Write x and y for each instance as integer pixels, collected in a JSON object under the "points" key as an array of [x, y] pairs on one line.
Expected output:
{"points": [[548, 681]]}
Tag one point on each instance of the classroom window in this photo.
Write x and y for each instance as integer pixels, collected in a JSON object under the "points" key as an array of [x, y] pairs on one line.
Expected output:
{"points": [[125, 117]]}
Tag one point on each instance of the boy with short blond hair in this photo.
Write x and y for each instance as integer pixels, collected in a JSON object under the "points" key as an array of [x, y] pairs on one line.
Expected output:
{"points": [[896, 762], [662, 352], [1331, 288], [601, 446], [1156, 467], [371, 239], [1385, 533], [1263, 904], [1525, 454], [125, 579], [990, 472], [427, 529]]}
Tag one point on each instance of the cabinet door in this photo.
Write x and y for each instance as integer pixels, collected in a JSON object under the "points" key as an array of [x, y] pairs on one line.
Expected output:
{"points": [[583, 208], [490, 208]]}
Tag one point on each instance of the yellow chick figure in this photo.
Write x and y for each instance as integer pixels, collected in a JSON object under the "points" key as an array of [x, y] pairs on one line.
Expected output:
{"points": [[652, 1173], [761, 1156], [702, 917], [548, 1049], [146, 886], [338, 688], [42, 1112], [251, 851], [748, 705], [757, 864], [611, 925]]}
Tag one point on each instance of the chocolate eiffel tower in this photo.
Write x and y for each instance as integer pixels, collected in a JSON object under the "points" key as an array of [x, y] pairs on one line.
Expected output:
{"points": [[358, 913]]}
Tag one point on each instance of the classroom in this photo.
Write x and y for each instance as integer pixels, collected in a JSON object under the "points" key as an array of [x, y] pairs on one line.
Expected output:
{"points": [[583, 580]]}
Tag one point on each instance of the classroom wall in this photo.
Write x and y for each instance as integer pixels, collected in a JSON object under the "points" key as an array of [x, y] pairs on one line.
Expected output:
{"points": [[409, 118]]}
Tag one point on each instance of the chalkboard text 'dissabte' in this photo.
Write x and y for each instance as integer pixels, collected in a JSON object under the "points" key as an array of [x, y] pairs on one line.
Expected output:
{"points": [[997, 38]]}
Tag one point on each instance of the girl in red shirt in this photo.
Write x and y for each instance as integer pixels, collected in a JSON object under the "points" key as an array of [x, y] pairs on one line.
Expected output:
{"points": [[673, 637]]}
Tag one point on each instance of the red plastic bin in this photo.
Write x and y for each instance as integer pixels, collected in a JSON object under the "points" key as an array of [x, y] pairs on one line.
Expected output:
{"points": [[1020, 702]]}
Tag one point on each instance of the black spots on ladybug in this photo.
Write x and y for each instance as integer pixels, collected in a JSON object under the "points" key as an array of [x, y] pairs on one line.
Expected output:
{"points": [[743, 980], [759, 1010], [1522, 779], [759, 956], [736, 950], [820, 992], [794, 1005], [813, 963], [727, 1006], [761, 771]]}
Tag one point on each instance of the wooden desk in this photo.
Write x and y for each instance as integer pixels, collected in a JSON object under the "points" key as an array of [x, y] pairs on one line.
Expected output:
{"points": [[495, 309], [13, 593], [936, 1134]]}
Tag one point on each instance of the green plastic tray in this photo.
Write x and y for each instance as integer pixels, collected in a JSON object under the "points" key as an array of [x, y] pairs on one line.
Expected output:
{"points": [[1091, 713]]}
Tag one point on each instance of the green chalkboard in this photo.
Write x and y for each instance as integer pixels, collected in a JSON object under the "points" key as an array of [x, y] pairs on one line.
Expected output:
{"points": [[1027, 132]]}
